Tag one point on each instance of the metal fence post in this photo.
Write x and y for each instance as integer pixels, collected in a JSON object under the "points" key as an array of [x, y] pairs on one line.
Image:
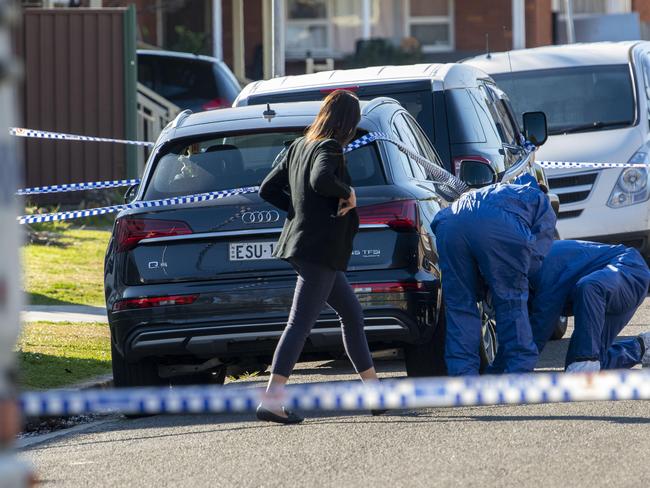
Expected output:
{"points": [[130, 90], [12, 472]]}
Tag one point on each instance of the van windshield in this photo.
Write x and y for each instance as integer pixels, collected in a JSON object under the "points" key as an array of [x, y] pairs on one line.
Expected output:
{"points": [[238, 160], [576, 99]]}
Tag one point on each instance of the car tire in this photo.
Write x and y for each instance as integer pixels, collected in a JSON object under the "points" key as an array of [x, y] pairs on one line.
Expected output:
{"points": [[489, 343], [560, 328], [125, 374], [427, 358]]}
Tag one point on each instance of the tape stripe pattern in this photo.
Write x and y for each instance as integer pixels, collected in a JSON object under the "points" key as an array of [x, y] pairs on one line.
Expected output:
{"points": [[65, 187], [75, 214], [399, 393], [42, 134], [578, 164]]}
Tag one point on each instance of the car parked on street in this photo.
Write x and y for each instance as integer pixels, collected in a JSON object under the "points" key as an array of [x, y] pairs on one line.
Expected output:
{"points": [[192, 288], [597, 100], [189, 81], [460, 108]]}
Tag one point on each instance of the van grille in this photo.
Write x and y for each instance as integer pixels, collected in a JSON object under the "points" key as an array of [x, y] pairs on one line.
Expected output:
{"points": [[573, 188]]}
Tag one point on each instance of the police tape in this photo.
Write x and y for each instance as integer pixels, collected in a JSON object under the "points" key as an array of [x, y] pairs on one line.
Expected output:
{"points": [[66, 187], [41, 134], [578, 164], [75, 214], [370, 137], [405, 393]]}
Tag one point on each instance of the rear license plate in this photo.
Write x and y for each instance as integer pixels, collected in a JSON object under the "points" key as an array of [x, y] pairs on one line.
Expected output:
{"points": [[251, 251]]}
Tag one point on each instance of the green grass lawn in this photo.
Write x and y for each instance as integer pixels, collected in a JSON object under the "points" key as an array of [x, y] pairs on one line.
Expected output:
{"points": [[56, 354], [70, 273]]}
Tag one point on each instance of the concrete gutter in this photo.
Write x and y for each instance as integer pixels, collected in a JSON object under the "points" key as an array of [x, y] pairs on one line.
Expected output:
{"points": [[63, 313]]}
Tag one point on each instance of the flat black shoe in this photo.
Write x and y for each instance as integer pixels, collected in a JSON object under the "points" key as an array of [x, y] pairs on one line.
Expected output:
{"points": [[377, 412], [268, 416]]}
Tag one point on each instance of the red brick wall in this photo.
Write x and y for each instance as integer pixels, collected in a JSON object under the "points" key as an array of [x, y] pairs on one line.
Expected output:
{"points": [[253, 29], [472, 22], [643, 7], [539, 23]]}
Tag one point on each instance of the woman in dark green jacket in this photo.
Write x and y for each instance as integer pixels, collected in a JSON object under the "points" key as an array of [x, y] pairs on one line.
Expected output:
{"points": [[312, 185]]}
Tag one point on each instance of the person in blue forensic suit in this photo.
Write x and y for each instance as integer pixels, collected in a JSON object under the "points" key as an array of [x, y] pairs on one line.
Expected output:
{"points": [[602, 285], [495, 236]]}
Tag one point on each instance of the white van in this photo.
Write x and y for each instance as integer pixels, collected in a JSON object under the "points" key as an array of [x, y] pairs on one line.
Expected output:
{"points": [[597, 101]]}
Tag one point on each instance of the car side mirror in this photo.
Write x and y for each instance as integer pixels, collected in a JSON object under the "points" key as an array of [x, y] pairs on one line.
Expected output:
{"points": [[476, 174], [130, 194], [535, 127]]}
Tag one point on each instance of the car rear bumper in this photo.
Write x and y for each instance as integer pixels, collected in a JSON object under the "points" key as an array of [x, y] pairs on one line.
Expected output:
{"points": [[228, 339]]}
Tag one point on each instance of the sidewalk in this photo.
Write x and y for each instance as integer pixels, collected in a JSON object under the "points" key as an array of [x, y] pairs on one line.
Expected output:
{"points": [[63, 313]]}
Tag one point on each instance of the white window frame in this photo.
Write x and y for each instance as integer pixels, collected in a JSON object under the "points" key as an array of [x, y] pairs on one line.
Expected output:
{"points": [[433, 19], [306, 23]]}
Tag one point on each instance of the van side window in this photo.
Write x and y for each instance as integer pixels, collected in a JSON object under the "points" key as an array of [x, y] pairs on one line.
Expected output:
{"points": [[464, 123], [481, 101]]}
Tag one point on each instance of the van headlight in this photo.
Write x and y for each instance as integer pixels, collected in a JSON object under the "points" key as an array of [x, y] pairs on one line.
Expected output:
{"points": [[632, 185]]}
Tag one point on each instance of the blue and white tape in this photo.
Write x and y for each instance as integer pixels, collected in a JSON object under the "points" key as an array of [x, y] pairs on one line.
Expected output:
{"points": [[75, 214], [392, 394], [65, 187], [578, 164], [42, 134]]}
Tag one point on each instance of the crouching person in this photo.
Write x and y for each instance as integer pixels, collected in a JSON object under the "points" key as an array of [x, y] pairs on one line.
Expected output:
{"points": [[603, 285], [496, 235]]}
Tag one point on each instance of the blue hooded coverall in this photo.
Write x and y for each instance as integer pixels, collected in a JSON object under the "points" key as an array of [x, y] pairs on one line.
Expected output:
{"points": [[500, 233], [604, 285]]}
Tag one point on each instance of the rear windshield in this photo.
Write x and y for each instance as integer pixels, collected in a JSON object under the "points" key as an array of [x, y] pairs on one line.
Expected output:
{"points": [[574, 99], [239, 160]]}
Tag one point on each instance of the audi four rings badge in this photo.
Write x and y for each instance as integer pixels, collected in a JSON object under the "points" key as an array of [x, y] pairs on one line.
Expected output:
{"points": [[260, 217]]}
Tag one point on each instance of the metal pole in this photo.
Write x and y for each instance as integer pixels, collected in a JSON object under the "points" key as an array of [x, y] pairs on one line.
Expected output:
{"points": [[238, 38], [267, 45], [365, 19], [518, 24], [568, 19], [217, 30], [13, 473], [277, 33]]}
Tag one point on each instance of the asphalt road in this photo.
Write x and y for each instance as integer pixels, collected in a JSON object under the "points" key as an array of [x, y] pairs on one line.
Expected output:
{"points": [[581, 444]]}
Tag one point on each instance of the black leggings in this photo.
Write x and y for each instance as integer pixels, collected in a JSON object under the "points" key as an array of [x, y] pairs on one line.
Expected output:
{"points": [[317, 285]]}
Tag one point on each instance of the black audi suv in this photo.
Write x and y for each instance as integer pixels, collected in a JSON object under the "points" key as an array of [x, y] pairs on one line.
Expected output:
{"points": [[192, 288]]}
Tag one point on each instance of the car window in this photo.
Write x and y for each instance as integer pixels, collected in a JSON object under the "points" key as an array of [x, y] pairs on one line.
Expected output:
{"points": [[238, 160], [426, 149], [578, 98], [403, 159], [499, 112], [481, 102], [146, 72], [464, 121], [645, 66], [186, 82], [409, 139]]}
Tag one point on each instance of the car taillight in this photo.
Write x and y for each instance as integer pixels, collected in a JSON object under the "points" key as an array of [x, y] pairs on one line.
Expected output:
{"points": [[130, 231], [392, 287], [215, 104], [398, 215], [150, 302], [459, 159]]}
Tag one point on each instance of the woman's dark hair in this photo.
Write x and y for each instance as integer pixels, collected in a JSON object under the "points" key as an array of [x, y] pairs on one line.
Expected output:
{"points": [[337, 119]]}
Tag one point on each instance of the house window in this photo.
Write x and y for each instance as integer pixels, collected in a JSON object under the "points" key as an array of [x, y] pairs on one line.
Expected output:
{"points": [[308, 28], [581, 7], [431, 22]]}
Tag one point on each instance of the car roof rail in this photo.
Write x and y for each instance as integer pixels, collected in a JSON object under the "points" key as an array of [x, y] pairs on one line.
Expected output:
{"points": [[181, 117], [376, 102]]}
